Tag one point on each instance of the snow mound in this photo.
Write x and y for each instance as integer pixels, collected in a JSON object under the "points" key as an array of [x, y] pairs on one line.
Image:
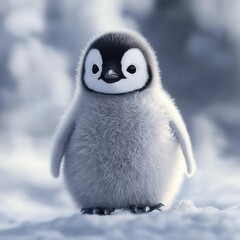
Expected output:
{"points": [[182, 221]]}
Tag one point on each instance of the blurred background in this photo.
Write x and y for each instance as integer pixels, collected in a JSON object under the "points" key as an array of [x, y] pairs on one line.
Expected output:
{"points": [[198, 47]]}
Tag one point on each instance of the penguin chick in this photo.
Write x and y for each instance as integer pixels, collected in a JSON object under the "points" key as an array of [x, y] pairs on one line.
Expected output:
{"points": [[124, 142]]}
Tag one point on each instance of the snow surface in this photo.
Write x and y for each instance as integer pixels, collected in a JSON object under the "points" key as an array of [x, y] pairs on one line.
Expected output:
{"points": [[183, 221]]}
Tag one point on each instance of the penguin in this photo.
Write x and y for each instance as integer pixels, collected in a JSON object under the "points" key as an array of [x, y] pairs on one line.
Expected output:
{"points": [[123, 140]]}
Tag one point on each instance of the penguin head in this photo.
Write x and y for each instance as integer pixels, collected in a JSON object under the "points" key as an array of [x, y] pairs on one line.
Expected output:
{"points": [[117, 63]]}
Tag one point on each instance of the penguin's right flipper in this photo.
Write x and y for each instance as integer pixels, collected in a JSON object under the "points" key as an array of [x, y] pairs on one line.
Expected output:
{"points": [[61, 139]]}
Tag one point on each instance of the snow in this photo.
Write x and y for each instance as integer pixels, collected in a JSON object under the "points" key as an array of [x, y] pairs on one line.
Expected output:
{"points": [[218, 173], [23, 22], [182, 221]]}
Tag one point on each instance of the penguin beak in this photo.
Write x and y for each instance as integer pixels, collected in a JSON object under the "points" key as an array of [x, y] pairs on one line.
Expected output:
{"points": [[111, 76]]}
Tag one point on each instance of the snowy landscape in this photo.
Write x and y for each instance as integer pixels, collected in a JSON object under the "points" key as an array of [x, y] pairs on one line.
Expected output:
{"points": [[183, 221], [198, 45]]}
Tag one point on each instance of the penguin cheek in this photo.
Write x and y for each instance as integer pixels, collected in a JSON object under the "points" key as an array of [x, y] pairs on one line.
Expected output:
{"points": [[93, 67], [90, 77], [132, 76], [95, 76], [136, 78], [90, 73]]}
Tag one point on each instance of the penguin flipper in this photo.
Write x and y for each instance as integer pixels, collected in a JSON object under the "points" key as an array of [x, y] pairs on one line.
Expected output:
{"points": [[61, 139], [179, 128]]}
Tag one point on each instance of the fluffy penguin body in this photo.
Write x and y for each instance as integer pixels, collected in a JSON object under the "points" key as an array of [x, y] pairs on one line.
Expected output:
{"points": [[123, 140]]}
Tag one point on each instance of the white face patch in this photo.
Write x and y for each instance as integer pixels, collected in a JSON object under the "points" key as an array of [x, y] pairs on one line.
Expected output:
{"points": [[91, 75], [134, 68]]}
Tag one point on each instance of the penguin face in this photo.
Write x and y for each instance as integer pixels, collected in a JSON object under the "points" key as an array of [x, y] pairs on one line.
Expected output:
{"points": [[115, 63]]}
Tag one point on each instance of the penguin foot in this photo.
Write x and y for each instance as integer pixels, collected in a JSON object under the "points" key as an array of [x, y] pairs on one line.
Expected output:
{"points": [[97, 211], [145, 209]]}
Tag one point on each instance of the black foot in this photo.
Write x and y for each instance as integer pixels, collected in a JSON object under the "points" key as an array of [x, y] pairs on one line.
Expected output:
{"points": [[98, 211], [146, 209]]}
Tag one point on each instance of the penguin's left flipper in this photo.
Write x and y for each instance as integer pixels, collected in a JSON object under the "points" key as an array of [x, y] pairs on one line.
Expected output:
{"points": [[97, 211], [146, 209], [180, 131]]}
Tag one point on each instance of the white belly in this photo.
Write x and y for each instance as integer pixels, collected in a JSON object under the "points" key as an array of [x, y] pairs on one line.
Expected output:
{"points": [[121, 155]]}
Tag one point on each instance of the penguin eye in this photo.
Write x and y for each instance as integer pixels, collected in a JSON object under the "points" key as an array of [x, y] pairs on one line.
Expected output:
{"points": [[131, 69], [95, 68]]}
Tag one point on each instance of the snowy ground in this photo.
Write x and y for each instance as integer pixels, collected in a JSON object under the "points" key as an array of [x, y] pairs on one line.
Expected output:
{"points": [[183, 221]]}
